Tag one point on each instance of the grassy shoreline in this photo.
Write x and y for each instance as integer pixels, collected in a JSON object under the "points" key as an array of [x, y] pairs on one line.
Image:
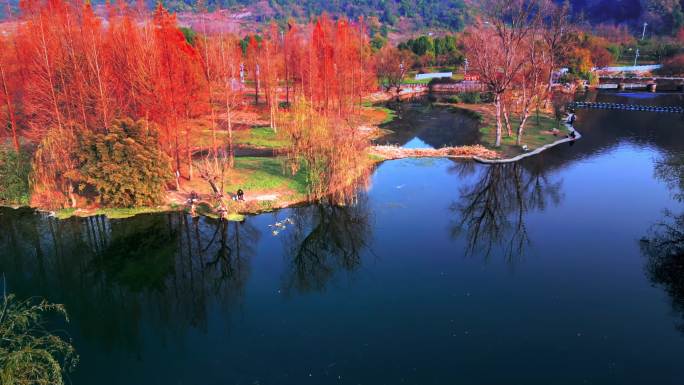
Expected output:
{"points": [[538, 129], [269, 186]]}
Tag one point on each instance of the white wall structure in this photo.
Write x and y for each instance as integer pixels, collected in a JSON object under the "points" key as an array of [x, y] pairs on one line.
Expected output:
{"points": [[433, 75]]}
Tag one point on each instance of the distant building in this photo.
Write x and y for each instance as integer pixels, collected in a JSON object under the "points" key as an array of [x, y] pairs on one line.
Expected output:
{"points": [[434, 75]]}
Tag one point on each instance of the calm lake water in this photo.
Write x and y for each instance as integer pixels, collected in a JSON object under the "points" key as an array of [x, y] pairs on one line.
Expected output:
{"points": [[550, 271], [422, 124]]}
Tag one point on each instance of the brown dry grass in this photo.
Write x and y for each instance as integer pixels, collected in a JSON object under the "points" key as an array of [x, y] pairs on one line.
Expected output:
{"points": [[394, 152]]}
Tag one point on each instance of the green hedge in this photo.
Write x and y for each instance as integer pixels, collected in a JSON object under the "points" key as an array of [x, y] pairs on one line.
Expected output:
{"points": [[14, 174]]}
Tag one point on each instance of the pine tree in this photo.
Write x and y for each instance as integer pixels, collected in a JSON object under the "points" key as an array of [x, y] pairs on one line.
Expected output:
{"points": [[126, 167]]}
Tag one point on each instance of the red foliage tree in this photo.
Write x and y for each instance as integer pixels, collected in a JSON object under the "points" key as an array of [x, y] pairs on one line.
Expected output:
{"points": [[67, 72], [253, 65], [178, 92], [8, 78], [271, 70]]}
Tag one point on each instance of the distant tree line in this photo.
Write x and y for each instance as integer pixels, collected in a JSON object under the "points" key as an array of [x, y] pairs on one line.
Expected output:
{"points": [[442, 50], [663, 16]]}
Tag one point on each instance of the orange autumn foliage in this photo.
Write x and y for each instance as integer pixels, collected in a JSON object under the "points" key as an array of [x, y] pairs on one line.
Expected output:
{"points": [[71, 69]]}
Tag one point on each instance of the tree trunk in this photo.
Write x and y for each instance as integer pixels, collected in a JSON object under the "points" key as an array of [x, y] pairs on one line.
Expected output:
{"points": [[214, 145], [497, 104], [549, 87], [213, 186], [229, 116], [509, 133], [273, 107], [178, 162], [527, 101], [257, 84], [521, 127], [10, 110], [287, 84], [188, 153]]}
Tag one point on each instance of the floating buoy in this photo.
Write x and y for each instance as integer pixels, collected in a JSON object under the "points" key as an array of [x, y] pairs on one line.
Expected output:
{"points": [[626, 107]]}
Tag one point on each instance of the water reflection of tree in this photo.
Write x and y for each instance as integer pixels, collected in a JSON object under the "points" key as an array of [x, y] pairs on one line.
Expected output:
{"points": [[664, 249], [491, 212], [138, 253], [664, 245], [229, 260], [670, 169], [326, 238], [164, 269]]}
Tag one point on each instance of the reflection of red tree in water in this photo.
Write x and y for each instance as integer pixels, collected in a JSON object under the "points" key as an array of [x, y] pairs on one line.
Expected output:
{"points": [[326, 239], [491, 212], [107, 273], [664, 246], [665, 264]]}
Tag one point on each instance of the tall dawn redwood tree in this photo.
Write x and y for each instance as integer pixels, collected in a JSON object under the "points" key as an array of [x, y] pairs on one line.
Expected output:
{"points": [[9, 74], [272, 70], [40, 52], [178, 92]]}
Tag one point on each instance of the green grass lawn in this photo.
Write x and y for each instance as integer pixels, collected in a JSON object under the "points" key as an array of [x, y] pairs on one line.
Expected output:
{"points": [[413, 80], [122, 213], [536, 134], [266, 174], [260, 137], [111, 213], [256, 137], [537, 129]]}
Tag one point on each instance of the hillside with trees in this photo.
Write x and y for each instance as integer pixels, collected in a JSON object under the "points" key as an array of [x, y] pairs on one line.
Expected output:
{"points": [[662, 16]]}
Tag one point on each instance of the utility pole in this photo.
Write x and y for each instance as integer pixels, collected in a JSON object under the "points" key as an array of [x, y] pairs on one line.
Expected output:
{"points": [[643, 32]]}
